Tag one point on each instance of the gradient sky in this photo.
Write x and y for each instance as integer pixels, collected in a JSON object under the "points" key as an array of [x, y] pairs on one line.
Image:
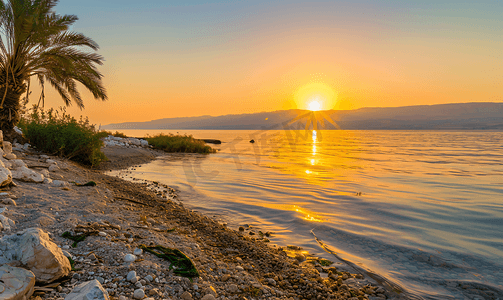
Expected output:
{"points": [[190, 58]]}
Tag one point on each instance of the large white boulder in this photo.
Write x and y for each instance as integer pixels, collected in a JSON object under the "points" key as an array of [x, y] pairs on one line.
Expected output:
{"points": [[16, 283], [35, 251], [27, 174], [89, 290], [5, 175]]}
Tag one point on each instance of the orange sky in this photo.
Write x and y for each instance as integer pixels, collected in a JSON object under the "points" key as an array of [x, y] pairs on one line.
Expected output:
{"points": [[206, 58]]}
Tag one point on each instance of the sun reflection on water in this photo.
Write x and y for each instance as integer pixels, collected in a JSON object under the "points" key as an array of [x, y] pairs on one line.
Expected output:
{"points": [[306, 215]]}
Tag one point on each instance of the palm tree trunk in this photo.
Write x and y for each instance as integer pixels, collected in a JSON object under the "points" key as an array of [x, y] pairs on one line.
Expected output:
{"points": [[10, 111]]}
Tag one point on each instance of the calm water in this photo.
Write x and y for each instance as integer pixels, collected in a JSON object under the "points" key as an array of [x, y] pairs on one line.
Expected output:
{"points": [[429, 217]]}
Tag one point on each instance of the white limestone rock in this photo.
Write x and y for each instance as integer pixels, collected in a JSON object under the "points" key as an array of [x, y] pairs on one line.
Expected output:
{"points": [[135, 142], [5, 223], [7, 147], [5, 175], [6, 162], [89, 290], [60, 183], [35, 251], [16, 283], [10, 156], [53, 168], [17, 163], [8, 201], [27, 174], [45, 172], [144, 143]]}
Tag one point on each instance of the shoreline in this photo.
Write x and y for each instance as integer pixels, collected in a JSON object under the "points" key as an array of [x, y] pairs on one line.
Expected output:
{"points": [[232, 265]]}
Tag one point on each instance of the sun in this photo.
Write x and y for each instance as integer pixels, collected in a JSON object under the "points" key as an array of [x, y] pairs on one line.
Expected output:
{"points": [[314, 105]]}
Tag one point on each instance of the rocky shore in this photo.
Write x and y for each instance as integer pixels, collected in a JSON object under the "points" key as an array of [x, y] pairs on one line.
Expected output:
{"points": [[48, 197]]}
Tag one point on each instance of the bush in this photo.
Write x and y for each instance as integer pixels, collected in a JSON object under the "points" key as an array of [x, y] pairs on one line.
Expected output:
{"points": [[179, 143], [57, 133], [116, 134]]}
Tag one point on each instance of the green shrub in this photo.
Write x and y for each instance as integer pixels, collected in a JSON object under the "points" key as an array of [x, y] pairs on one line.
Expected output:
{"points": [[116, 134], [179, 143], [57, 133]]}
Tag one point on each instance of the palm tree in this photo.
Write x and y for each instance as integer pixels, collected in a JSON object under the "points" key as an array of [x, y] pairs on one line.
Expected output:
{"points": [[35, 41]]}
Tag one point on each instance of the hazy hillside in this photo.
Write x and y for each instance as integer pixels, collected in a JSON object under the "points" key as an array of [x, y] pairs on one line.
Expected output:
{"points": [[443, 116]]}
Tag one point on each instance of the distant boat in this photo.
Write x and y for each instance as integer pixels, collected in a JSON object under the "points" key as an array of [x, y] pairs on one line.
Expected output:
{"points": [[252, 141]]}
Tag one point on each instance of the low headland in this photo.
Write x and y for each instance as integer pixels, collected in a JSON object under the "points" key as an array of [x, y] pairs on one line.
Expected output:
{"points": [[114, 239]]}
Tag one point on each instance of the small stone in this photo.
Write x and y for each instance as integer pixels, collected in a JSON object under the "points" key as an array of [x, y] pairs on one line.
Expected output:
{"points": [[210, 290], [131, 275], [300, 257], [186, 296], [53, 168], [138, 251], [149, 278], [139, 294], [138, 284], [239, 268], [121, 297], [271, 281], [101, 233], [232, 288], [129, 258], [100, 279], [134, 280], [225, 277], [130, 240], [208, 297], [241, 228]]}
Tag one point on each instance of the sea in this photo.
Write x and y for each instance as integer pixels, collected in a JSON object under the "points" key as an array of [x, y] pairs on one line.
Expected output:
{"points": [[423, 209]]}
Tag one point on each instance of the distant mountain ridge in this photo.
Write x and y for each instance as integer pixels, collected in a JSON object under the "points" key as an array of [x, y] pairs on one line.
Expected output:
{"points": [[462, 116]]}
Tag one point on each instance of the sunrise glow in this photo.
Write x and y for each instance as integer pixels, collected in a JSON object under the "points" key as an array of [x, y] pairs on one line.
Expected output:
{"points": [[314, 105]]}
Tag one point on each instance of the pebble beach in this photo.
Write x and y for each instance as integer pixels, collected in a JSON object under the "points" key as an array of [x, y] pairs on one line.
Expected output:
{"points": [[120, 219]]}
